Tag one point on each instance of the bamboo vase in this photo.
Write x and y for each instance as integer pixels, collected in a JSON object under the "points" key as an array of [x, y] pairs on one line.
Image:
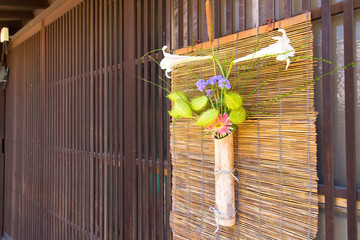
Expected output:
{"points": [[224, 181]]}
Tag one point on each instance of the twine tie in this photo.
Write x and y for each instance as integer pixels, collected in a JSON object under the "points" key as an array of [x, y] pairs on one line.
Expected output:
{"points": [[217, 214], [226, 172]]}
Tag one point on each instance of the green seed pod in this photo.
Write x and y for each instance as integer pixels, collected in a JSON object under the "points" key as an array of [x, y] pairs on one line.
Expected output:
{"points": [[177, 95], [233, 100], [182, 109], [208, 117], [199, 103], [238, 116]]}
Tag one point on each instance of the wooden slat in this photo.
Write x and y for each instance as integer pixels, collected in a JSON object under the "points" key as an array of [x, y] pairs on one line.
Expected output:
{"points": [[305, 6], [195, 21], [153, 119], [217, 18], [160, 123], [185, 15], [146, 208], [350, 122], [116, 123], [167, 124], [140, 130], [92, 120], [168, 24], [176, 24], [270, 9], [287, 8], [242, 19], [327, 121], [229, 17], [121, 115], [129, 114]]}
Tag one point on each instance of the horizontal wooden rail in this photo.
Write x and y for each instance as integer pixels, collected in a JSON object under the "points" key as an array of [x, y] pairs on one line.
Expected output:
{"points": [[336, 8]]}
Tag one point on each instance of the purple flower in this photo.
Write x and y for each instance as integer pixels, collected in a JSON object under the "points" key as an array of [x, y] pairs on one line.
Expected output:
{"points": [[201, 84], [214, 80], [224, 83], [209, 93]]}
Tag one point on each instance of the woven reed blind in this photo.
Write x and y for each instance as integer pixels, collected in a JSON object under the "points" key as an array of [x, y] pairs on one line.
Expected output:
{"points": [[275, 149]]}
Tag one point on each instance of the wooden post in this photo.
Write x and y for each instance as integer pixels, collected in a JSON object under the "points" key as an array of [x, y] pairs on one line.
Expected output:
{"points": [[224, 181]]}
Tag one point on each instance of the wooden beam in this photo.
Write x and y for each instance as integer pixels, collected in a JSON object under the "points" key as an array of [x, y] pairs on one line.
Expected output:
{"points": [[336, 9], [15, 15], [327, 120], [350, 122], [23, 4]]}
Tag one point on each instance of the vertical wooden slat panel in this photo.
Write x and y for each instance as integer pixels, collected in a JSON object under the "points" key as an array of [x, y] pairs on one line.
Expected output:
{"points": [[350, 123], [229, 16], [327, 121]]}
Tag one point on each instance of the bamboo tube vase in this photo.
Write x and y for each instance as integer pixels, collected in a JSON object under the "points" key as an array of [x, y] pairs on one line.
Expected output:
{"points": [[224, 181]]}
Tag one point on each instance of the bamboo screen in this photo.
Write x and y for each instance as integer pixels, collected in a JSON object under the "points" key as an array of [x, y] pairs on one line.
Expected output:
{"points": [[275, 151]]}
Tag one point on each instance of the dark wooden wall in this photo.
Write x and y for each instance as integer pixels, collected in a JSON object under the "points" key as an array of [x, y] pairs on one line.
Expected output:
{"points": [[86, 137]]}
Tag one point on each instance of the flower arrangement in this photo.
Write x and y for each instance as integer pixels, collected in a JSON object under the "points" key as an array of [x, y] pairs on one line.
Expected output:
{"points": [[220, 108]]}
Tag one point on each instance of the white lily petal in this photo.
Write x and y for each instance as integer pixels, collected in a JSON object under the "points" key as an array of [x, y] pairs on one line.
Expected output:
{"points": [[287, 63], [282, 49], [171, 60]]}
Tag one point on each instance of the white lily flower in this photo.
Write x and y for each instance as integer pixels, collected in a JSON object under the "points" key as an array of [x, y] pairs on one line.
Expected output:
{"points": [[171, 60], [282, 49]]}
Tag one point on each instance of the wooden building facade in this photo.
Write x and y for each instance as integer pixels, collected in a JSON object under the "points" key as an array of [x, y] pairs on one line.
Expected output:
{"points": [[84, 140]]}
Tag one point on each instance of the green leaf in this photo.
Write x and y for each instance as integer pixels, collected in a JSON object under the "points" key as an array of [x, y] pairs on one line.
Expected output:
{"points": [[182, 109], [208, 117], [233, 100], [177, 95], [238, 116], [199, 103]]}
